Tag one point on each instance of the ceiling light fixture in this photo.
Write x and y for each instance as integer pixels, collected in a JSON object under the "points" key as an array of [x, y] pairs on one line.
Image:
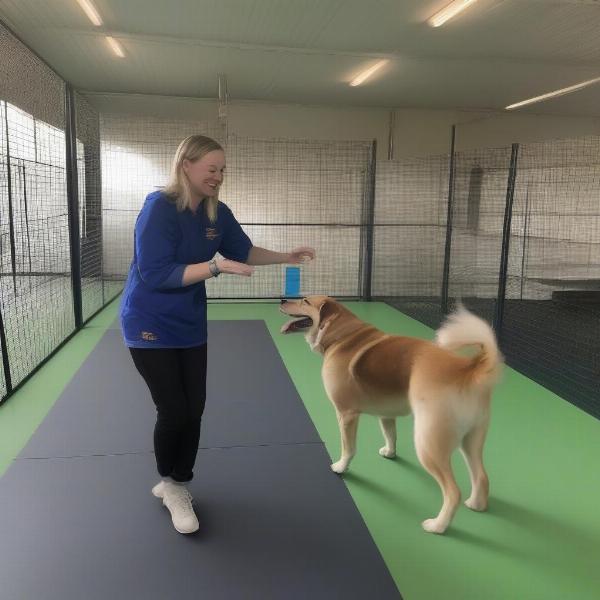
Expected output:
{"points": [[449, 12], [91, 12], [116, 47], [561, 92], [362, 77]]}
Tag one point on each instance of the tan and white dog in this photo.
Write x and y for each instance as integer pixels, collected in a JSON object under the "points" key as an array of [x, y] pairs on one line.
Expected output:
{"points": [[368, 371]]}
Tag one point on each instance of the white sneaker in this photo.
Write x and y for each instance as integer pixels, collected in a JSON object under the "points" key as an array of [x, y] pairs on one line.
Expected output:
{"points": [[178, 500], [158, 489]]}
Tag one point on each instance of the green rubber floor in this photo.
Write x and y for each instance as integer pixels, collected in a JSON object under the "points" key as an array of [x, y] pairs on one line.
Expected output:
{"points": [[540, 538]]}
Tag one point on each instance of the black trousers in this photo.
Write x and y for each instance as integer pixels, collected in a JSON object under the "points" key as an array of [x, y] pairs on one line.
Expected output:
{"points": [[176, 378]]}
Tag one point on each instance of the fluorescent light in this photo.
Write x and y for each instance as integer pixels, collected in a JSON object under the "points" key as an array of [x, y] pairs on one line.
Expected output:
{"points": [[362, 77], [562, 92], [449, 12], [116, 47], [91, 12]]}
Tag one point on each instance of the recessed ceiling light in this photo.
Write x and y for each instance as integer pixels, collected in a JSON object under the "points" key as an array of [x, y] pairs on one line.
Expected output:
{"points": [[91, 12], [116, 47], [561, 92], [449, 12], [362, 77]]}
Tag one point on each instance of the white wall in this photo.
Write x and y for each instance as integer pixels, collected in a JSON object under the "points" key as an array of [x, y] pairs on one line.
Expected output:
{"points": [[427, 132], [502, 129], [160, 107], [417, 132], [259, 119]]}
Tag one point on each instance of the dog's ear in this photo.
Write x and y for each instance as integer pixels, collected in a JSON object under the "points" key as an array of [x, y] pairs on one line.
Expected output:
{"points": [[327, 313]]}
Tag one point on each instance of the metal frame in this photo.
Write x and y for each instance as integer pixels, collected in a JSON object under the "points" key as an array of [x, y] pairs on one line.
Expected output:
{"points": [[391, 133], [11, 220], [73, 203], [510, 194], [448, 248], [26, 207], [3, 343], [5, 361], [367, 228]]}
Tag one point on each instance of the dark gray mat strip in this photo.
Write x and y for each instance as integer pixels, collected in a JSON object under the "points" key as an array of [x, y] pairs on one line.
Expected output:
{"points": [[107, 409], [275, 524]]}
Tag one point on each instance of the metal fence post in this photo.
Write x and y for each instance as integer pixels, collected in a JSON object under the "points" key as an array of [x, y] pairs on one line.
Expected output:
{"points": [[73, 204], [368, 225], [510, 194], [446, 273]]}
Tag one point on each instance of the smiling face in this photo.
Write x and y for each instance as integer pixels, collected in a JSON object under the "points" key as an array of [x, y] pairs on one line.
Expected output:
{"points": [[206, 174]]}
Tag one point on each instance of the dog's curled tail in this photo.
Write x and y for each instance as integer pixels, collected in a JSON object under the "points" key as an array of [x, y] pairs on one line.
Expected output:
{"points": [[461, 329]]}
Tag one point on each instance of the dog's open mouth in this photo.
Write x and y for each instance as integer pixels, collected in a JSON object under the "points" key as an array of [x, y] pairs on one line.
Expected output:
{"points": [[297, 324]]}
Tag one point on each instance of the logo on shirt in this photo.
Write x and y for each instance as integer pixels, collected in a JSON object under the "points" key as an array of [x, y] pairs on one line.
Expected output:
{"points": [[212, 233], [148, 336]]}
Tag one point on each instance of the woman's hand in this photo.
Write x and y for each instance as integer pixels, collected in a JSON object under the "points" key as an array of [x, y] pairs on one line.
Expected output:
{"points": [[231, 267], [300, 255]]}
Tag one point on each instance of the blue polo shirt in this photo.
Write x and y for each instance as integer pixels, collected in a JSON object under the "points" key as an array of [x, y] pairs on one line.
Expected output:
{"points": [[157, 311]]}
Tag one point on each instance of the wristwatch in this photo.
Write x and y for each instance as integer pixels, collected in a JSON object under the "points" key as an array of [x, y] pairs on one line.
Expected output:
{"points": [[214, 269]]}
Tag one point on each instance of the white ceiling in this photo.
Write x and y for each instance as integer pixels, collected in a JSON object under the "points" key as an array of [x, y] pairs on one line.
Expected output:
{"points": [[306, 51]]}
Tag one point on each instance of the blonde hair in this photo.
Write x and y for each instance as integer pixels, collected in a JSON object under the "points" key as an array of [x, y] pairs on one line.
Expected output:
{"points": [[192, 148]]}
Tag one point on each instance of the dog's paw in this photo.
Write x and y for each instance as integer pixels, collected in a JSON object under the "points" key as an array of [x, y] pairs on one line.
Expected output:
{"points": [[476, 504], [387, 453], [433, 526], [339, 467]]}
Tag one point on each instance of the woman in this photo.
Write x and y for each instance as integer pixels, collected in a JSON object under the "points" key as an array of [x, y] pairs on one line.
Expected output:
{"points": [[163, 311]]}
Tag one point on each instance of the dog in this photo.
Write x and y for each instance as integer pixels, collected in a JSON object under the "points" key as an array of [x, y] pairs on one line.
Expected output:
{"points": [[366, 371]]}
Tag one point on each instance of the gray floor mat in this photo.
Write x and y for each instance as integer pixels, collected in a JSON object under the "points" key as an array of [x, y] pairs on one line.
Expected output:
{"points": [[275, 523], [107, 409]]}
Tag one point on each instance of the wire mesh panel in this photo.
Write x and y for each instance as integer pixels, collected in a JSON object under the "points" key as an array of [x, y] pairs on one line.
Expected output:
{"points": [[551, 325], [3, 389], [285, 193], [335, 273], [90, 206], [136, 160], [35, 281], [479, 204], [410, 232], [288, 193]]}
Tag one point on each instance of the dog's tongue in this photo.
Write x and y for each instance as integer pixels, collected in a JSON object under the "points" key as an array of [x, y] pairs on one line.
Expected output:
{"points": [[297, 325]]}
